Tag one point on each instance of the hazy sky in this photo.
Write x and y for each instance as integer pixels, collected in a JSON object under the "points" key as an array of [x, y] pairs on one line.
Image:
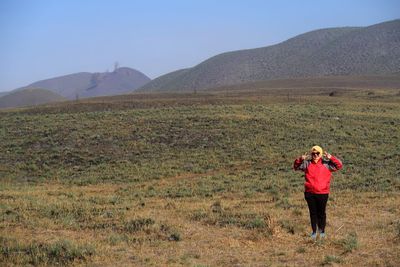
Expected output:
{"points": [[41, 39]]}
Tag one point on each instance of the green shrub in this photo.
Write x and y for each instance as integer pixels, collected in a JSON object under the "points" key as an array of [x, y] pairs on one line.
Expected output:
{"points": [[256, 223], [397, 230], [174, 237], [301, 250], [138, 224], [216, 207], [199, 215], [331, 259], [115, 239], [61, 252], [291, 227], [224, 217], [64, 251], [349, 243]]}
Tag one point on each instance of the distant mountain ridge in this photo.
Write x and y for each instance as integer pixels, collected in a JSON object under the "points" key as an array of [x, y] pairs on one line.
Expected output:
{"points": [[29, 97], [372, 50], [85, 84]]}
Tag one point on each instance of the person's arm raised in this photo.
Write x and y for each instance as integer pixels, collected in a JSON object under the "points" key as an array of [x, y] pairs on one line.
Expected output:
{"points": [[335, 164], [300, 163]]}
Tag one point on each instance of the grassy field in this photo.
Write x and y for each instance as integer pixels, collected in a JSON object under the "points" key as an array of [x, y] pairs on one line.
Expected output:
{"points": [[199, 180]]}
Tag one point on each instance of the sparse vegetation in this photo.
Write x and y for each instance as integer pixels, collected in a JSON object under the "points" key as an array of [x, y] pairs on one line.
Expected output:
{"points": [[397, 230], [349, 243], [62, 252], [199, 180], [331, 259], [138, 224]]}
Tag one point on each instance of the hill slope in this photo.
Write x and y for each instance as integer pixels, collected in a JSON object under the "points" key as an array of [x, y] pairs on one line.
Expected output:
{"points": [[85, 84], [29, 97], [197, 180], [327, 52]]}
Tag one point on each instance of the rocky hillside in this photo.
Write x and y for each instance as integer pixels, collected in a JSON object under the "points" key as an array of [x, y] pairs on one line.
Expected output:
{"points": [[86, 84], [372, 50]]}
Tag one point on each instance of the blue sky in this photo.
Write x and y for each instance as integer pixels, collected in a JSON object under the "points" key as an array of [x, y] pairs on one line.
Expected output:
{"points": [[41, 39]]}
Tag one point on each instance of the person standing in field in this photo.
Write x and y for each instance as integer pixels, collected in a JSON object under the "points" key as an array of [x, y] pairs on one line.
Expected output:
{"points": [[317, 185]]}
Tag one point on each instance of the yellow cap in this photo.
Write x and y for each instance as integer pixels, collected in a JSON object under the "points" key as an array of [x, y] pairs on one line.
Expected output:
{"points": [[317, 148]]}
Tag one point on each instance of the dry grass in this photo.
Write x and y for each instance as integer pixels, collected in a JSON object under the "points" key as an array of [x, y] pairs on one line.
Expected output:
{"points": [[282, 240]]}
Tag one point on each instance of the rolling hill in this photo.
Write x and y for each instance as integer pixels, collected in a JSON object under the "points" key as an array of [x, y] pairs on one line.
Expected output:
{"points": [[373, 50], [323, 84], [29, 97], [85, 84]]}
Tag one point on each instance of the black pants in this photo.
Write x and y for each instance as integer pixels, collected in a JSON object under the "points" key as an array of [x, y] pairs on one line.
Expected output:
{"points": [[316, 205]]}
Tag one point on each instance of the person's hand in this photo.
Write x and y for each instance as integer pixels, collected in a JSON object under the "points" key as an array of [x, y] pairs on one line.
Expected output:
{"points": [[327, 155], [304, 156]]}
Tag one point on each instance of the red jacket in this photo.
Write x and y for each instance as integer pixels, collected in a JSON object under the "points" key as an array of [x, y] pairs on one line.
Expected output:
{"points": [[317, 175]]}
